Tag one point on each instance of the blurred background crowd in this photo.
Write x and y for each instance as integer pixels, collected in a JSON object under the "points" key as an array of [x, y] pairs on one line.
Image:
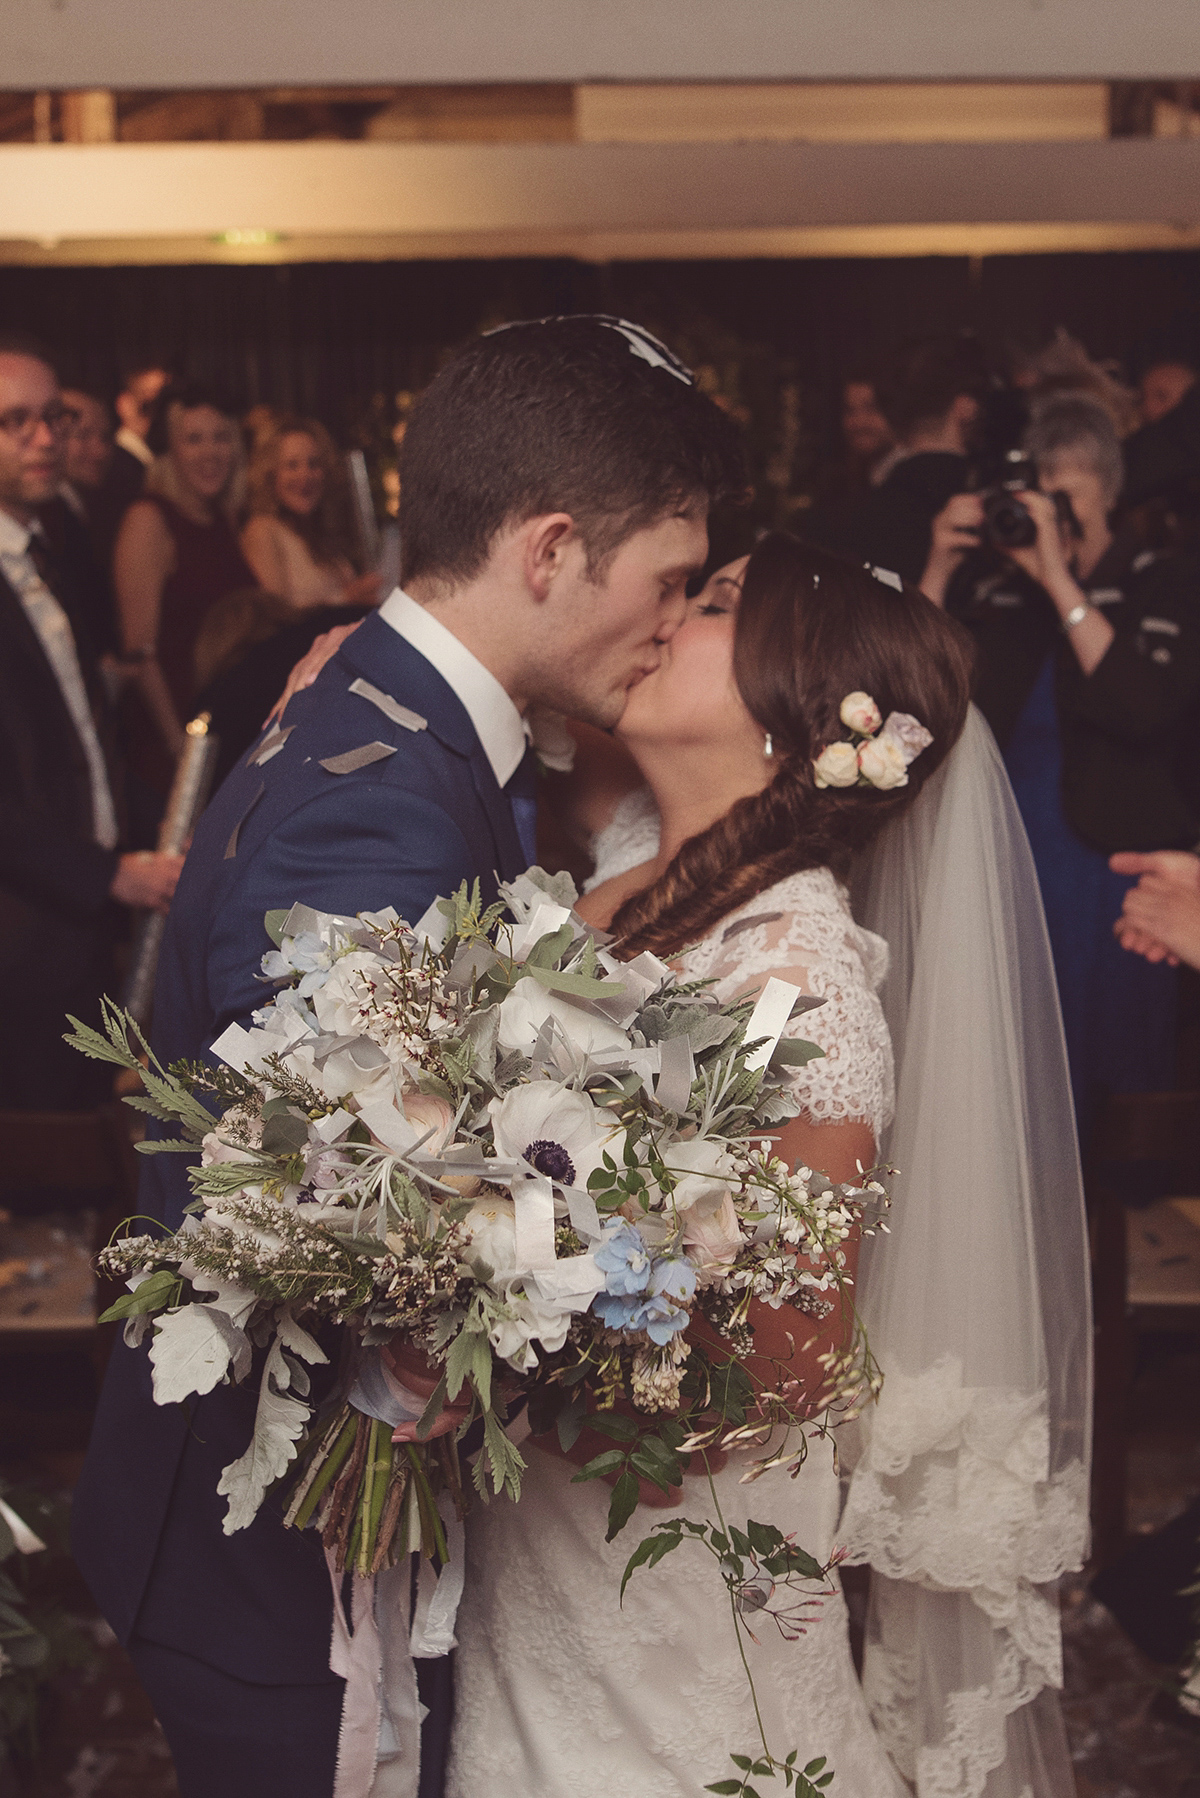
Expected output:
{"points": [[195, 545]]}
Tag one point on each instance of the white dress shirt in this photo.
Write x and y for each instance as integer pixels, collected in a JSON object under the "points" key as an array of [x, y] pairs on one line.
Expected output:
{"points": [[53, 630], [498, 724], [128, 440]]}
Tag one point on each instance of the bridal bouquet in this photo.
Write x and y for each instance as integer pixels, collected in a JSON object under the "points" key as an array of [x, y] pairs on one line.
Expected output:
{"points": [[486, 1137]]}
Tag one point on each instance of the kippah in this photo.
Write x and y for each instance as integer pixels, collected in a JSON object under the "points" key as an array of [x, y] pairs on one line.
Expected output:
{"points": [[641, 342]]}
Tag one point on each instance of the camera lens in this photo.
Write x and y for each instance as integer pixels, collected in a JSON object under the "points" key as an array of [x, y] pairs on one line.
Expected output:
{"points": [[1009, 524]]}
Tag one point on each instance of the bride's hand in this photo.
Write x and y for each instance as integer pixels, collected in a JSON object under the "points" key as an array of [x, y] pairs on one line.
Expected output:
{"points": [[419, 1376], [308, 667]]}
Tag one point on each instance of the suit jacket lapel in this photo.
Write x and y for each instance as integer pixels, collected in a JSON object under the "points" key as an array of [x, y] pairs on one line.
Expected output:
{"points": [[385, 658]]}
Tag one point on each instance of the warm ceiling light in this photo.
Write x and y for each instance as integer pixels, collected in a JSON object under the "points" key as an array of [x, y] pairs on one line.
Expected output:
{"points": [[247, 239]]}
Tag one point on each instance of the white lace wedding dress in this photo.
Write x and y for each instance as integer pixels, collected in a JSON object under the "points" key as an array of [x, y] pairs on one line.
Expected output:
{"points": [[562, 1693]]}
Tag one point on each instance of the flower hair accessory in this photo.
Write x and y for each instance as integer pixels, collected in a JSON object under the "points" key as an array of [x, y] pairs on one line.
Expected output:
{"points": [[880, 752]]}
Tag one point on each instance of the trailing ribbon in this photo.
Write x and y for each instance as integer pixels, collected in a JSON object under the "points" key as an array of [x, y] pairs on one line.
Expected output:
{"points": [[379, 1742]]}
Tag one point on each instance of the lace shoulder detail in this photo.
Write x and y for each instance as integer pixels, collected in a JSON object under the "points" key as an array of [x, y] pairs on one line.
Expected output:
{"points": [[802, 930], [630, 838]]}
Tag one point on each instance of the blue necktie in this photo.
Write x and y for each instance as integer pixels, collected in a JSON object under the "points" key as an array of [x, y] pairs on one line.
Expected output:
{"points": [[521, 790]]}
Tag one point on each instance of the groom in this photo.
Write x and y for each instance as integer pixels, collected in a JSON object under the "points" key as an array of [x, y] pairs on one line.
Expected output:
{"points": [[557, 478]]}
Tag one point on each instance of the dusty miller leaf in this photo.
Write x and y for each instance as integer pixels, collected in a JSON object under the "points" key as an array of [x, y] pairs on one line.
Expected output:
{"points": [[278, 1424], [191, 1352]]}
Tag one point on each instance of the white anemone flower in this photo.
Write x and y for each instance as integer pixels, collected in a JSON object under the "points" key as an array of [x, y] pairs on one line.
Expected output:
{"points": [[530, 1004], [557, 1131], [492, 1222], [704, 1172], [513, 1337]]}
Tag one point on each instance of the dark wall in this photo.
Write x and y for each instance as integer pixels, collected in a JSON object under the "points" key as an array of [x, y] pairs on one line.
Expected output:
{"points": [[323, 337]]}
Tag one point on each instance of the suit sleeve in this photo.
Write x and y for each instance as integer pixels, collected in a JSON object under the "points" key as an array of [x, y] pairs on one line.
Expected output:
{"points": [[45, 865], [1145, 686], [350, 849]]}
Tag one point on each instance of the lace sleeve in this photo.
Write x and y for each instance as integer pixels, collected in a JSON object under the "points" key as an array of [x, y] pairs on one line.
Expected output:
{"points": [[802, 930]]}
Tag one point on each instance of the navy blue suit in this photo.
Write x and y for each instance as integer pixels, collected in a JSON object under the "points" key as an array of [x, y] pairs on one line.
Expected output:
{"points": [[397, 831]]}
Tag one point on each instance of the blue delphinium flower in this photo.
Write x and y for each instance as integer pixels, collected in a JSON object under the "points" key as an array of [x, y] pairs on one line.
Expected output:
{"points": [[642, 1293], [663, 1310], [623, 1260]]}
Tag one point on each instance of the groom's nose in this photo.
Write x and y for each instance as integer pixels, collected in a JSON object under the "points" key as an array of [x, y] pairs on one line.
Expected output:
{"points": [[670, 618]]}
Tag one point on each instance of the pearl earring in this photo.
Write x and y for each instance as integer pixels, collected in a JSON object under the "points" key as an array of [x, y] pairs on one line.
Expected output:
{"points": [[769, 747]]}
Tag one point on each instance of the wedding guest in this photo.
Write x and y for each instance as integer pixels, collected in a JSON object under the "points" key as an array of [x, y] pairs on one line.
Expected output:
{"points": [[63, 875], [1162, 386], [845, 481], [88, 448], [132, 455], [72, 523], [177, 554], [298, 538], [931, 400], [134, 407], [1089, 664]]}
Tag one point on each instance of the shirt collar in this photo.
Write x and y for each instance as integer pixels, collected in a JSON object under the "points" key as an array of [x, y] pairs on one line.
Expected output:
{"points": [[14, 537], [128, 439], [498, 724]]}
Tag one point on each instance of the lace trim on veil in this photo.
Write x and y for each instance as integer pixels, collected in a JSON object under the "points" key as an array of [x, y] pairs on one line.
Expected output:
{"points": [[969, 1497]]}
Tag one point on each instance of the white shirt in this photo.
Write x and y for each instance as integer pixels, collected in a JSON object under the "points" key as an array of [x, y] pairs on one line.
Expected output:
{"points": [[53, 630], [129, 440], [498, 724]]}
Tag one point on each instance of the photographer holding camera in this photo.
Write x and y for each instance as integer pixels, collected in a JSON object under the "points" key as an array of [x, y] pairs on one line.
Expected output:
{"points": [[1088, 667]]}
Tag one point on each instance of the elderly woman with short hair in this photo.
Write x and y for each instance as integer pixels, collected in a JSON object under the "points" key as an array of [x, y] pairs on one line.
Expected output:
{"points": [[1088, 672]]}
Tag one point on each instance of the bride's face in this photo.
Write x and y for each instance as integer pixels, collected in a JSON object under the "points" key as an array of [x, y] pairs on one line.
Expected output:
{"points": [[691, 700]]}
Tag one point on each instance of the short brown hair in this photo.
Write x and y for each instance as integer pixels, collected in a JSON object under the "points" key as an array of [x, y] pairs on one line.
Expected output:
{"points": [[557, 415], [925, 378], [811, 628]]}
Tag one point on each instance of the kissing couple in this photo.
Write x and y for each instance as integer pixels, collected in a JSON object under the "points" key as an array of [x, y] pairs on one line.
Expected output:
{"points": [[802, 727]]}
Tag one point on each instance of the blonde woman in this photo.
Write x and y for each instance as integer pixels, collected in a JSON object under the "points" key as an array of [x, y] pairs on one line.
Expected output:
{"points": [[177, 554], [297, 539]]}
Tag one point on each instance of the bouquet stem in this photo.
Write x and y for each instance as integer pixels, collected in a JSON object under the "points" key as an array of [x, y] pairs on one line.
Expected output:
{"points": [[324, 1467], [390, 1517]]}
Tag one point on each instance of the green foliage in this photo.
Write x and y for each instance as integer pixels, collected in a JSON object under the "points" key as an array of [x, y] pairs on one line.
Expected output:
{"points": [[160, 1292], [38, 1638]]}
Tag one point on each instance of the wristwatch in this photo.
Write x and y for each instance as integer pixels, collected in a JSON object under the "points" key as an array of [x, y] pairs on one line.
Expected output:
{"points": [[1076, 615]]}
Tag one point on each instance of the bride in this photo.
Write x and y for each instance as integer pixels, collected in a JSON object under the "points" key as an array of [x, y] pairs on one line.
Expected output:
{"points": [[967, 1488]]}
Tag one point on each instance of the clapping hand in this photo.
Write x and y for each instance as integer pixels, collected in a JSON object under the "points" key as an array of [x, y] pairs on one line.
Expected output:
{"points": [[1161, 915]]}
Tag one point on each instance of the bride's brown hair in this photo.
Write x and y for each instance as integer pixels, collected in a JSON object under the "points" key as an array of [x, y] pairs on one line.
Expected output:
{"points": [[811, 628]]}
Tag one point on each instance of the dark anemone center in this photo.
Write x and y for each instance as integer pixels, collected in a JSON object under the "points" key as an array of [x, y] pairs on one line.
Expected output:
{"points": [[551, 1159]]}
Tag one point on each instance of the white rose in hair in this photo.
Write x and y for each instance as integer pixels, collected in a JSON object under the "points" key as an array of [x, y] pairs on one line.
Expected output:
{"points": [[859, 712], [837, 766], [883, 763], [910, 735]]}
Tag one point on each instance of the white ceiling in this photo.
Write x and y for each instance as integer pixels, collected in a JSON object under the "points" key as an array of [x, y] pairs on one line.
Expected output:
{"points": [[248, 43], [150, 202]]}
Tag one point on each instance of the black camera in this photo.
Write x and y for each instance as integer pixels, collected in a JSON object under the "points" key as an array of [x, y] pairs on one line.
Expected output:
{"points": [[1007, 521]]}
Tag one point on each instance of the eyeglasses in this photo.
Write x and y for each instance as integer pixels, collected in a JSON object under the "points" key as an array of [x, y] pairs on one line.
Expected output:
{"points": [[21, 423]]}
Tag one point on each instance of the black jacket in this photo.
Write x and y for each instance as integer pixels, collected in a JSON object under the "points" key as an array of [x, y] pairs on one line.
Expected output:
{"points": [[57, 923], [1131, 773], [892, 526]]}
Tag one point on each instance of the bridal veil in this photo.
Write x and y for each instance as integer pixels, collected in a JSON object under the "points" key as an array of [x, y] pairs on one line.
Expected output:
{"points": [[969, 1490]]}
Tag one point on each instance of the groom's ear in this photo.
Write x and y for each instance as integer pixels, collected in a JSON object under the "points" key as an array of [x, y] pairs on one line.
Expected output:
{"points": [[549, 542]]}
